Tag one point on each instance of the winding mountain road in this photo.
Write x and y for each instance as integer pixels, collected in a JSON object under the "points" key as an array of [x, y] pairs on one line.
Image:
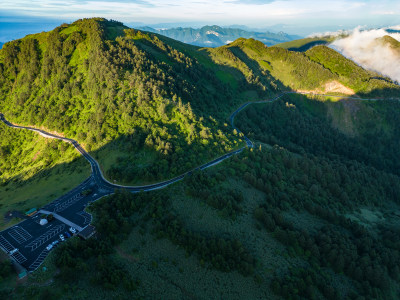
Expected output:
{"points": [[97, 174], [104, 183], [30, 239]]}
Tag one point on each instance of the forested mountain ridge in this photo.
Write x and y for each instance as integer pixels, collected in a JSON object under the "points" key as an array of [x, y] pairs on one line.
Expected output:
{"points": [[117, 89], [99, 81]]}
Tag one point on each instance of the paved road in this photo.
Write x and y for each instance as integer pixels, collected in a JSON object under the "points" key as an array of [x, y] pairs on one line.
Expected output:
{"points": [[31, 239], [96, 170]]}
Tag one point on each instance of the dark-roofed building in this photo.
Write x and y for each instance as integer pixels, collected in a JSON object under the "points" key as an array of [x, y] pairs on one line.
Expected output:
{"points": [[87, 232]]}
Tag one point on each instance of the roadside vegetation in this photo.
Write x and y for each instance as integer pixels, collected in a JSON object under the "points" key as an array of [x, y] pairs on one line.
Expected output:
{"points": [[35, 171]]}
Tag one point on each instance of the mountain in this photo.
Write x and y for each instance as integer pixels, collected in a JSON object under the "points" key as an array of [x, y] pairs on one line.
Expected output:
{"points": [[129, 95], [311, 211], [126, 83], [215, 36], [319, 69], [389, 41]]}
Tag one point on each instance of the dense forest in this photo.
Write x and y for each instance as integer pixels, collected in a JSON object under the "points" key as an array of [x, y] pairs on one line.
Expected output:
{"points": [[305, 126], [311, 212], [125, 93], [325, 253], [105, 84], [325, 221]]}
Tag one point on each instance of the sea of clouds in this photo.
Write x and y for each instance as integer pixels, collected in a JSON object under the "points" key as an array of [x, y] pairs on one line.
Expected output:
{"points": [[361, 46]]}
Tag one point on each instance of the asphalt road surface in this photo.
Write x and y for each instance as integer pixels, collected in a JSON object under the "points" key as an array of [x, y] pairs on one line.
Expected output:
{"points": [[31, 238]]}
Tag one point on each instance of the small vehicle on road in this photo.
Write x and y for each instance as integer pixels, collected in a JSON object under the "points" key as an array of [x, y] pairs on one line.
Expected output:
{"points": [[67, 234], [55, 243], [72, 229], [13, 251], [48, 248], [62, 238]]}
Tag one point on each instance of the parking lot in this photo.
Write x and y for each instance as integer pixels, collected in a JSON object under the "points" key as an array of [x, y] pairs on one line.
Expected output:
{"points": [[31, 238], [34, 240]]}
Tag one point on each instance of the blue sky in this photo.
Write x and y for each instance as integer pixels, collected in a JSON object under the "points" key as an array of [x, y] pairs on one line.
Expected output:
{"points": [[309, 14]]}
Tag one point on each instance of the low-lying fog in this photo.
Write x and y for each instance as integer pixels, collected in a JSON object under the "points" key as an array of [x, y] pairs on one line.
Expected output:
{"points": [[362, 47]]}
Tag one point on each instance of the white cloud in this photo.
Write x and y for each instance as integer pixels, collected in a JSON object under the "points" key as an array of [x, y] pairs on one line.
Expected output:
{"points": [[362, 47]]}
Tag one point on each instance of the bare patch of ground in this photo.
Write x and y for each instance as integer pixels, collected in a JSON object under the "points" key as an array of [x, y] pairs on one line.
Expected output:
{"points": [[332, 87], [336, 87]]}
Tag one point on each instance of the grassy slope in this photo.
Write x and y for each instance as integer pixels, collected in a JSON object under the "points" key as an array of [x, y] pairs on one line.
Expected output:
{"points": [[348, 72], [35, 170], [311, 70], [388, 40]]}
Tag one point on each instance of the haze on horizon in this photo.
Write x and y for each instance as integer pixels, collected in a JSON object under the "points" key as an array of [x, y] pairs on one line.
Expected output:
{"points": [[294, 17]]}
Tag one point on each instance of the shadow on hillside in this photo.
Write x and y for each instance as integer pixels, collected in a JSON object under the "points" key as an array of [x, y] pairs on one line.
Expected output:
{"points": [[208, 92], [364, 131], [308, 46], [269, 86], [45, 186]]}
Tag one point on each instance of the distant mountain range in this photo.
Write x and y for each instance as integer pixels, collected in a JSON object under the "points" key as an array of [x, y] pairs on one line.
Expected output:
{"points": [[215, 36]]}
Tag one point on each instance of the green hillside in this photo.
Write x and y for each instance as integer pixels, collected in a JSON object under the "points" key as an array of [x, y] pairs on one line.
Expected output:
{"points": [[119, 91], [35, 170], [148, 107], [319, 69], [311, 212]]}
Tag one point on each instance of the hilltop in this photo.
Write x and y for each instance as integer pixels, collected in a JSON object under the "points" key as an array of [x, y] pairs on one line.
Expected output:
{"points": [[389, 41], [105, 85]]}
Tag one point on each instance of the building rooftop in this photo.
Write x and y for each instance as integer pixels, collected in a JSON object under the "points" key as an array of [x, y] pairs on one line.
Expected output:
{"points": [[87, 232]]}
